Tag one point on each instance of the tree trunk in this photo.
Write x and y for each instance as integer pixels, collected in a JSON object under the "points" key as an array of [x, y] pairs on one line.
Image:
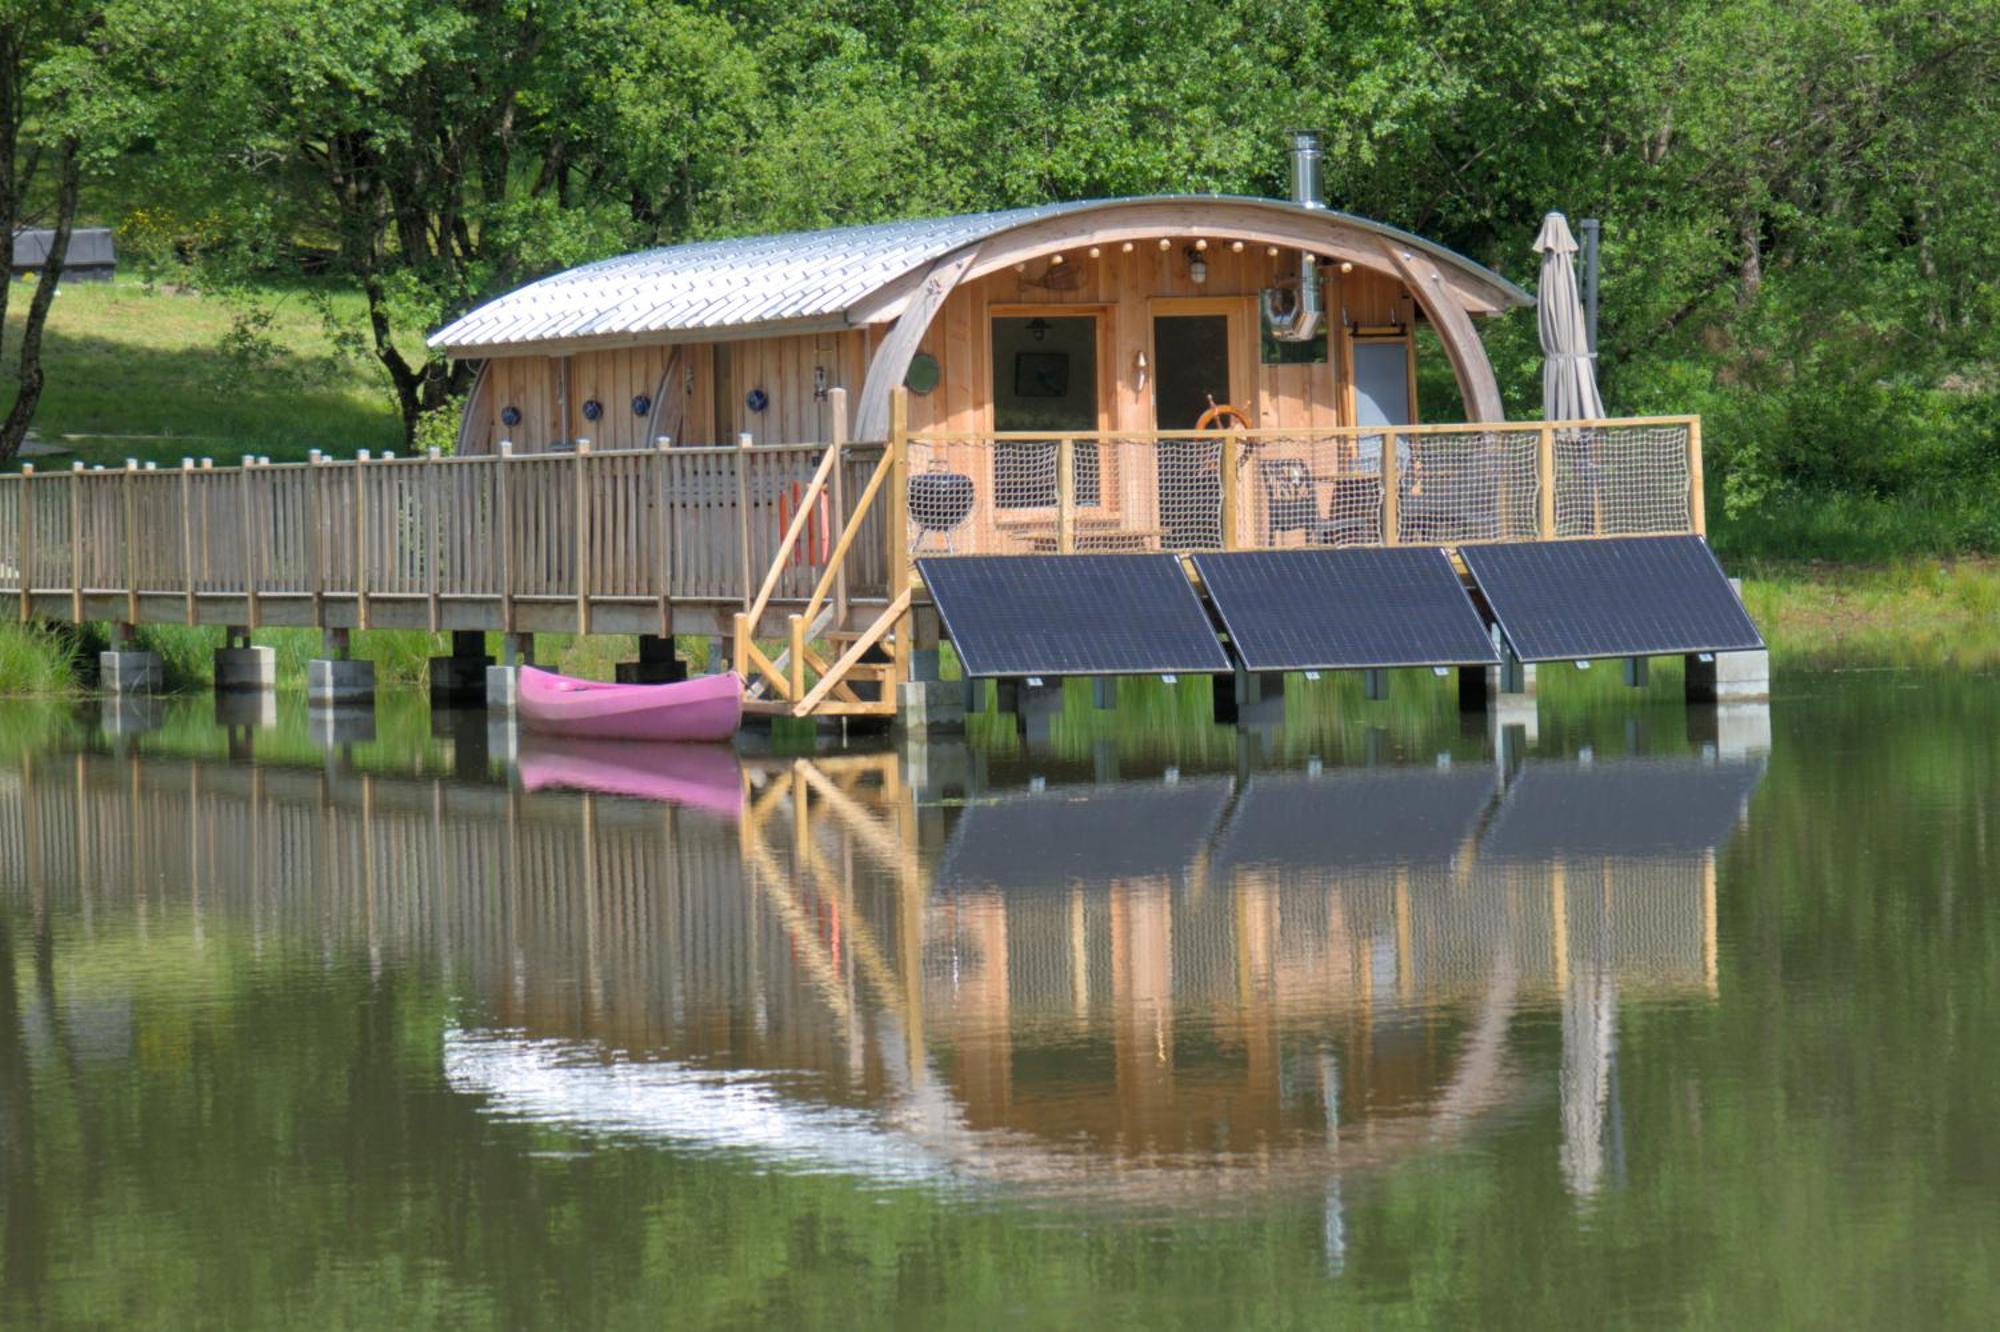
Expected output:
{"points": [[28, 390]]}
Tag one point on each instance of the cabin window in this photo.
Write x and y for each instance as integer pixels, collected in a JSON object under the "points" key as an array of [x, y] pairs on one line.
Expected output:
{"points": [[1044, 378]]}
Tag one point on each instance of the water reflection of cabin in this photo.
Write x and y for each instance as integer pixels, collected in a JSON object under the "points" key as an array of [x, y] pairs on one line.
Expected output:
{"points": [[1104, 316]]}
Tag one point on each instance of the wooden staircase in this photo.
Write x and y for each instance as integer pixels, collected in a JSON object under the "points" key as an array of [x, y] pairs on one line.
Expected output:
{"points": [[839, 660]]}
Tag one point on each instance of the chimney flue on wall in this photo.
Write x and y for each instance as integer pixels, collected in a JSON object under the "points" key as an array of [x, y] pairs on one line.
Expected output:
{"points": [[1292, 310]]}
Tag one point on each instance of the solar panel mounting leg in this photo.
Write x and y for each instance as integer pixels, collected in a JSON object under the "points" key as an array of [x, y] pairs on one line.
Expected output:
{"points": [[1375, 684], [1007, 695], [975, 695], [1040, 705], [1104, 692], [1638, 671]]}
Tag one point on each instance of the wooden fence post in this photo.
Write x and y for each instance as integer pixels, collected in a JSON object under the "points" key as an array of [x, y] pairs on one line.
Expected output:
{"points": [[187, 532], [836, 401], [316, 537], [582, 537], [360, 540], [503, 501], [663, 565], [1392, 490], [1697, 486], [743, 442], [76, 542], [245, 507], [24, 537], [1545, 483], [433, 533], [129, 500], [899, 490], [1066, 496], [795, 666], [1231, 495]]}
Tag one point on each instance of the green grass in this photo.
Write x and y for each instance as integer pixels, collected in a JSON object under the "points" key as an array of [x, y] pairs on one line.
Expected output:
{"points": [[138, 371], [1859, 529]]}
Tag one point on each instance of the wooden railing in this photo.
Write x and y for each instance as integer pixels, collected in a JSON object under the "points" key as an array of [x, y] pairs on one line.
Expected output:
{"points": [[1017, 493], [613, 542]]}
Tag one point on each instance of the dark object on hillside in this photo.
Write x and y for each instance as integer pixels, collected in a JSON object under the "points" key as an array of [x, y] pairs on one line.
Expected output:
{"points": [[91, 256]]}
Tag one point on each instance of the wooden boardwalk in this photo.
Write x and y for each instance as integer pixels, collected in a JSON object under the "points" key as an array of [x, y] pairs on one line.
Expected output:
{"points": [[802, 556]]}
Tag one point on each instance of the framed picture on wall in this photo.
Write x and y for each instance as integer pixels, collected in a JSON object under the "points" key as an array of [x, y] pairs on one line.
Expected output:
{"points": [[1041, 374]]}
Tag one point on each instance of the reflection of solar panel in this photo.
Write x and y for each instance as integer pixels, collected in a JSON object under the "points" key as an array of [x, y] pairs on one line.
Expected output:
{"points": [[1019, 615], [1354, 818], [1302, 610], [1090, 834], [1628, 809], [1617, 597]]}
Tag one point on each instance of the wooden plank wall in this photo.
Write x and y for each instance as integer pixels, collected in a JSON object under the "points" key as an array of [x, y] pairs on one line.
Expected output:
{"points": [[686, 409], [1288, 396]]}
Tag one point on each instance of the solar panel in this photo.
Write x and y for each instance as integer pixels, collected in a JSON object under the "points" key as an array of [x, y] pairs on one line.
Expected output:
{"points": [[1304, 610], [1615, 597], [1054, 615]]}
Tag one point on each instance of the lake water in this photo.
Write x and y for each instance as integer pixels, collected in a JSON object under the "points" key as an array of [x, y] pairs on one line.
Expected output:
{"points": [[1641, 1013]]}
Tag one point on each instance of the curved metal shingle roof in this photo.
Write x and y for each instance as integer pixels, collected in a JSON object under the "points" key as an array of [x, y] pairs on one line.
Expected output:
{"points": [[796, 277]]}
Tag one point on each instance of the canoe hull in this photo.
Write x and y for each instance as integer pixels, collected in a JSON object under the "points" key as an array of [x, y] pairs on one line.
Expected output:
{"points": [[706, 708]]}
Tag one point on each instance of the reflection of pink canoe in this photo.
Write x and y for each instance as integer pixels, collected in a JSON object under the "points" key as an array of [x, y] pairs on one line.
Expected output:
{"points": [[708, 707], [705, 777]]}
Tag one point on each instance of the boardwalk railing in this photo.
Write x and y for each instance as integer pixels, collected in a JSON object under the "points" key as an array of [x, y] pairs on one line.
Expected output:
{"points": [[615, 541]]}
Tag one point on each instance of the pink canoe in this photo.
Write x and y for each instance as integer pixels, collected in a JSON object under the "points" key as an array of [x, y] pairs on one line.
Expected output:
{"points": [[704, 777], [708, 707]]}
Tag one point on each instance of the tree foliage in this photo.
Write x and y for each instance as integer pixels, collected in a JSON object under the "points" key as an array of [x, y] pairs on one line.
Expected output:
{"points": [[1800, 199]]}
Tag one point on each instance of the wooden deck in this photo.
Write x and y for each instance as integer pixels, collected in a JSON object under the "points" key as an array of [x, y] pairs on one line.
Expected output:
{"points": [[801, 555]]}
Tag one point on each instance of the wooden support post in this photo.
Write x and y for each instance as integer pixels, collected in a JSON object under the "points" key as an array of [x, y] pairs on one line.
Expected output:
{"points": [[360, 540], [503, 503], [836, 401], [76, 542], [663, 564], [582, 536], [316, 537], [433, 533], [130, 502], [899, 490], [739, 647], [1545, 483], [796, 666], [24, 540], [245, 505], [1066, 496], [1697, 486], [1232, 493], [743, 517], [187, 532], [1392, 490]]}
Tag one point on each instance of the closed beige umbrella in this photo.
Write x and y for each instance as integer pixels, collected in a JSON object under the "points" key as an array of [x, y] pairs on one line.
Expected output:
{"points": [[1569, 367]]}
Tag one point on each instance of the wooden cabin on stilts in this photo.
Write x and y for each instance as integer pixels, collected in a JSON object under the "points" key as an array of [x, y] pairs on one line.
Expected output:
{"points": [[767, 441]]}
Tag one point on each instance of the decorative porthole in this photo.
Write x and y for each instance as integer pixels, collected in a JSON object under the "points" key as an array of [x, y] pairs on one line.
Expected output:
{"points": [[510, 416], [641, 405], [923, 374], [757, 400], [592, 409]]}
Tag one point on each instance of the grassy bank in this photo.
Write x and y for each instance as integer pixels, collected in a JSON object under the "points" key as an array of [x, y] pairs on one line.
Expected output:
{"points": [[159, 373]]}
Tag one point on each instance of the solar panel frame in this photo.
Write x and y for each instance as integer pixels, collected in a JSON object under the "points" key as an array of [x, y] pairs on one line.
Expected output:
{"points": [[1015, 616], [1592, 598], [1358, 608]]}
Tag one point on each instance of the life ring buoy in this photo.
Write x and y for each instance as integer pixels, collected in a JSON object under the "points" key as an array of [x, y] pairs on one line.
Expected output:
{"points": [[815, 543]]}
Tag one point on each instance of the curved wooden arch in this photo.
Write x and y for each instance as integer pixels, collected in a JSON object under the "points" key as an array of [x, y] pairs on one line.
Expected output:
{"points": [[1447, 292]]}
